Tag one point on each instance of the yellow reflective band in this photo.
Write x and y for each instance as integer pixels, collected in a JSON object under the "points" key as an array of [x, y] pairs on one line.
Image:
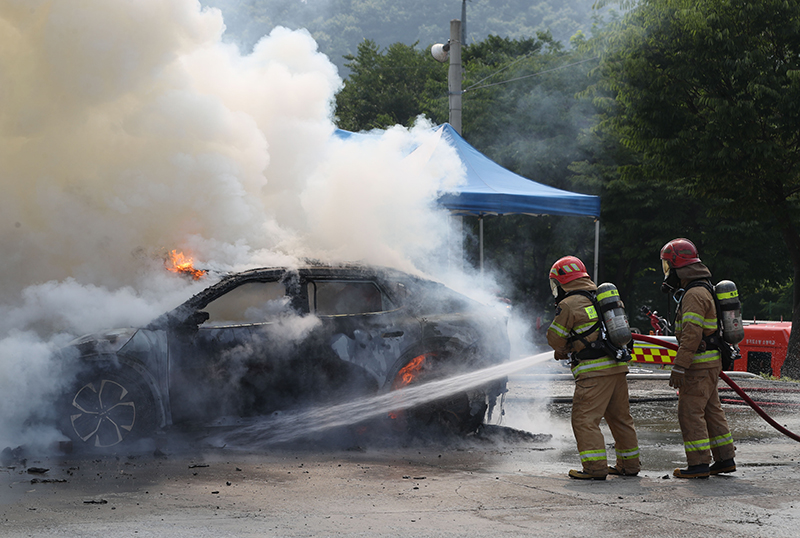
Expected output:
{"points": [[722, 440], [559, 330], [607, 294], [593, 455], [593, 366], [580, 330], [591, 312], [707, 356], [697, 446], [691, 317], [728, 295], [627, 454]]}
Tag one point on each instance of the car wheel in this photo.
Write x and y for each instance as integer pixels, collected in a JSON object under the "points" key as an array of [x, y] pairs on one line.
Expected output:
{"points": [[114, 408]]}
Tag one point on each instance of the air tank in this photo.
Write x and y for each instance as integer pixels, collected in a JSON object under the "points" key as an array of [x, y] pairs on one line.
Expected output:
{"points": [[616, 321], [730, 312]]}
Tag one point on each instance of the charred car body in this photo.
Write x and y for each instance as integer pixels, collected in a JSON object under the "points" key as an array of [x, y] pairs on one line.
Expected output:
{"points": [[272, 339]]}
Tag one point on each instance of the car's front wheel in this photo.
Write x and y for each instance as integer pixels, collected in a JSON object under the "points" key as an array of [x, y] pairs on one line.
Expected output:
{"points": [[457, 412], [110, 409]]}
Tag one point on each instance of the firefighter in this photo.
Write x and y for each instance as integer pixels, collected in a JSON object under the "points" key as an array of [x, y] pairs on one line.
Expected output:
{"points": [[697, 364], [601, 387]]}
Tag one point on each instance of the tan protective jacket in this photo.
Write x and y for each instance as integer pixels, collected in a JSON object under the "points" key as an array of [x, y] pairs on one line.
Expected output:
{"points": [[576, 313], [696, 317]]}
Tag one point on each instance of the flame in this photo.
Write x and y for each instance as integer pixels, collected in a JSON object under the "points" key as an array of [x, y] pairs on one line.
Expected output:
{"points": [[178, 262], [405, 376], [408, 372]]}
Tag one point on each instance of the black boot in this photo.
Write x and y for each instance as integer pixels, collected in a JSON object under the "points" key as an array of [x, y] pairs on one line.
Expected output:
{"points": [[724, 466], [585, 475], [694, 471]]}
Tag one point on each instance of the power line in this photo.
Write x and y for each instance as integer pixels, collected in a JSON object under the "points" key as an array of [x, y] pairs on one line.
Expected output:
{"points": [[475, 86]]}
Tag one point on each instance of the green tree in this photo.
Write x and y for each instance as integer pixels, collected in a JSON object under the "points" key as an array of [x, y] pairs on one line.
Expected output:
{"points": [[389, 87], [339, 26], [707, 93]]}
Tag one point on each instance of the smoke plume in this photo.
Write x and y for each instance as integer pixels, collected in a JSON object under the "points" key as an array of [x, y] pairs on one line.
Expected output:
{"points": [[129, 129]]}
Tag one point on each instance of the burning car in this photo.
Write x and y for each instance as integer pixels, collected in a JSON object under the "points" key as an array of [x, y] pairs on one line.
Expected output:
{"points": [[274, 339]]}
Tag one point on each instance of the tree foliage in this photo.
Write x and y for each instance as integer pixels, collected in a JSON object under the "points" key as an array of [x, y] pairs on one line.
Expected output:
{"points": [[339, 26], [389, 87], [707, 92]]}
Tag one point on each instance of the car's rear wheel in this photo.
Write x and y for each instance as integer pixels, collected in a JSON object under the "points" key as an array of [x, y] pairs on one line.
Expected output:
{"points": [[108, 410]]}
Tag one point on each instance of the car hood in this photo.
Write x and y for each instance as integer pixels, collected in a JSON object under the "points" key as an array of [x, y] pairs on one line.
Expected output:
{"points": [[104, 342]]}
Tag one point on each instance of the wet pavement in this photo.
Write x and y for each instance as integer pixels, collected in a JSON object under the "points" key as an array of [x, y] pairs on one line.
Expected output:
{"points": [[501, 484]]}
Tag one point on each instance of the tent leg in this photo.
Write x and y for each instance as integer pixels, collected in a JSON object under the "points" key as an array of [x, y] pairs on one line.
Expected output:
{"points": [[596, 246], [480, 231], [456, 242]]}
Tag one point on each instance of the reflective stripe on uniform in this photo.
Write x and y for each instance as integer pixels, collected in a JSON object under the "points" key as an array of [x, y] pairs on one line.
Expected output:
{"points": [[593, 455], [697, 446], [706, 356], [560, 330], [583, 330], [721, 440], [603, 363], [627, 454], [696, 319]]}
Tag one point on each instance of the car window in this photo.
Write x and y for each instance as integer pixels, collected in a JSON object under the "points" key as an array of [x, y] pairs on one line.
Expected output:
{"points": [[253, 302], [328, 298]]}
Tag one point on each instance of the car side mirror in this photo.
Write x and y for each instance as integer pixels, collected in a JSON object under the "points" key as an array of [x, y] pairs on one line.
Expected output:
{"points": [[197, 318]]}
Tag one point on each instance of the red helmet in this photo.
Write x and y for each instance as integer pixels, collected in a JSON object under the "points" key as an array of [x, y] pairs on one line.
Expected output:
{"points": [[568, 269], [679, 253]]}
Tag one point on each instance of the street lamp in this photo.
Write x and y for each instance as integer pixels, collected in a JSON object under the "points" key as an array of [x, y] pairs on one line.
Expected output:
{"points": [[452, 50]]}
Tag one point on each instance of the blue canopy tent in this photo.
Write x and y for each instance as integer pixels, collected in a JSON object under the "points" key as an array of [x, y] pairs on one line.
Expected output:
{"points": [[491, 189]]}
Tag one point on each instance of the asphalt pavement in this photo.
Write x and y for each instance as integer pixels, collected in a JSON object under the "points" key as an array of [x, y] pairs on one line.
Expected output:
{"points": [[511, 481]]}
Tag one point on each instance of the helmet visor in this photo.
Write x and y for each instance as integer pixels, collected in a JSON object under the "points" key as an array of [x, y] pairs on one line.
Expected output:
{"points": [[554, 287], [665, 267]]}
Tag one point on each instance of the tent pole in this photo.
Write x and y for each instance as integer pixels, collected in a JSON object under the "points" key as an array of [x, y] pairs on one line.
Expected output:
{"points": [[480, 231], [596, 245]]}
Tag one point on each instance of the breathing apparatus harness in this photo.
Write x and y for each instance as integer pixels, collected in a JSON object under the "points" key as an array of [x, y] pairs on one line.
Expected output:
{"points": [[715, 340], [602, 346]]}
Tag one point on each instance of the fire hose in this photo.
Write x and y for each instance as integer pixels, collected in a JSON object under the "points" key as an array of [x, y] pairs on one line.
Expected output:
{"points": [[736, 388]]}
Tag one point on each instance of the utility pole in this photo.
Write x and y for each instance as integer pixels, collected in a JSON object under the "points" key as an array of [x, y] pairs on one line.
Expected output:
{"points": [[463, 22], [454, 75]]}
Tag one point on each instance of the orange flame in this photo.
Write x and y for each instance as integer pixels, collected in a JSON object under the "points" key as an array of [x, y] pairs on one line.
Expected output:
{"points": [[405, 376], [178, 262]]}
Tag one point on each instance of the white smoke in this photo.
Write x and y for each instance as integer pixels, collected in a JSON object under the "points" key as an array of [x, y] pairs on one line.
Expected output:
{"points": [[128, 129]]}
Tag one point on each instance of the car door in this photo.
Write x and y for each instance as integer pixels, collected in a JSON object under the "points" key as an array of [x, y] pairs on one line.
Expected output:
{"points": [[367, 332], [211, 363]]}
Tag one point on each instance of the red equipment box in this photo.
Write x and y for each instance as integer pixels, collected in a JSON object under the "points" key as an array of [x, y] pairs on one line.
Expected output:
{"points": [[764, 347]]}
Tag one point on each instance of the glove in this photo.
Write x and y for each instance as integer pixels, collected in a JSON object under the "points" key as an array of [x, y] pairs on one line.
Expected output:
{"points": [[676, 377]]}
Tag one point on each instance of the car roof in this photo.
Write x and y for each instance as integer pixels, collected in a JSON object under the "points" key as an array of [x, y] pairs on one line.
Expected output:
{"points": [[309, 270]]}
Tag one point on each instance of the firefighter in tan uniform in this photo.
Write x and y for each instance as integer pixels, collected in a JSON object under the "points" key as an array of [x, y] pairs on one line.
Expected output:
{"points": [[697, 364], [601, 387]]}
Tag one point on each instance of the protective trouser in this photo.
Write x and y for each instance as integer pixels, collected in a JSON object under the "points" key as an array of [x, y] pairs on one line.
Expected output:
{"points": [[703, 424], [606, 397]]}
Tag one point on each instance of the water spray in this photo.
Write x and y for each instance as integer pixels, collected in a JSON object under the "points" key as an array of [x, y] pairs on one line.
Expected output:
{"points": [[286, 427]]}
